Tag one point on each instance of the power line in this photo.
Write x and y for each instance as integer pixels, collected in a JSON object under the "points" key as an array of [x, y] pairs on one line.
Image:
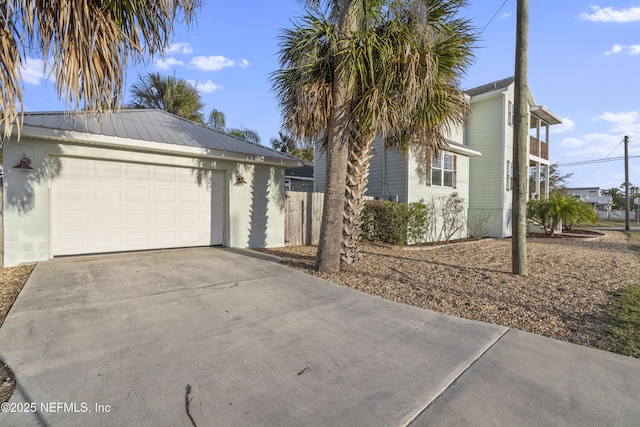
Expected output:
{"points": [[596, 168], [494, 15], [590, 162]]}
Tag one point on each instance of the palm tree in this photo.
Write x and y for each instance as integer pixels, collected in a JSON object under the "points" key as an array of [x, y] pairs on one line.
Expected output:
{"points": [[244, 133], [217, 120], [403, 62], [87, 49], [616, 195], [314, 86], [171, 94], [285, 143]]}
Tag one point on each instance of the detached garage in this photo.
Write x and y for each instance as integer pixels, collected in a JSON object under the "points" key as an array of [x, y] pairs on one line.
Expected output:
{"points": [[136, 180]]}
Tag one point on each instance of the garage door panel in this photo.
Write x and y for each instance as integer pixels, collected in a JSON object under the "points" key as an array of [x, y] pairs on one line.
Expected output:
{"points": [[190, 196], [112, 206], [108, 193], [164, 174], [105, 241], [166, 217], [78, 168], [164, 195], [73, 217], [73, 192], [74, 242], [107, 218], [135, 172], [138, 194], [108, 170]]}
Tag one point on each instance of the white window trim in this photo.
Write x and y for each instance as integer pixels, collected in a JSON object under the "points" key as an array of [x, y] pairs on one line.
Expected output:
{"points": [[442, 170]]}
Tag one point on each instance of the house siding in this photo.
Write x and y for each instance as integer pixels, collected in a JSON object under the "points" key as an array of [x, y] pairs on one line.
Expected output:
{"points": [[433, 196], [319, 170], [387, 173], [254, 211], [488, 132]]}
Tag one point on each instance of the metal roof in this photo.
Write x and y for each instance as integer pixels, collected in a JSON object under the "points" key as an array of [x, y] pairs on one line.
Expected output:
{"points": [[149, 125], [490, 87], [304, 171]]}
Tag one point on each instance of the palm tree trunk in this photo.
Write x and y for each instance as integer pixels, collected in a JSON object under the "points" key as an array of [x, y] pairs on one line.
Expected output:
{"points": [[356, 187], [328, 258]]}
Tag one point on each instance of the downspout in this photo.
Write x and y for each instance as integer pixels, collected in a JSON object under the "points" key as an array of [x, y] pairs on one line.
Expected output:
{"points": [[384, 172], [505, 105]]}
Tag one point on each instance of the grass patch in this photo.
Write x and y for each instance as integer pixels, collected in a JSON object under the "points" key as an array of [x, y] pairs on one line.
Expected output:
{"points": [[607, 223], [623, 328]]}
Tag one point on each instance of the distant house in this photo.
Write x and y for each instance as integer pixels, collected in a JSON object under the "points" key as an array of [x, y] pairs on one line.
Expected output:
{"points": [[593, 196], [300, 178], [489, 129], [136, 180]]}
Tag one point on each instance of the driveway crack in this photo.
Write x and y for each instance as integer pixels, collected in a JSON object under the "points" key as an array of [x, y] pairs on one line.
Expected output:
{"points": [[187, 401]]}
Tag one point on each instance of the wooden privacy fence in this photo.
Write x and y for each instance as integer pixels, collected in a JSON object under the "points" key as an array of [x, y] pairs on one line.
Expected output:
{"points": [[303, 213], [302, 217]]}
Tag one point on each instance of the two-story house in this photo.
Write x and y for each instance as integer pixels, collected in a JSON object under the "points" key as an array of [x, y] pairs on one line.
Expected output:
{"points": [[489, 129]]}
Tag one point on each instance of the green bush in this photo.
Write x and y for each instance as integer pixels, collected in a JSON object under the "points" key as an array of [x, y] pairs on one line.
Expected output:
{"points": [[560, 207], [395, 223]]}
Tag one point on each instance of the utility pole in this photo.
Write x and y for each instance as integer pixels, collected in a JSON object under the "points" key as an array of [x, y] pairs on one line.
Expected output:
{"points": [[627, 226], [520, 136]]}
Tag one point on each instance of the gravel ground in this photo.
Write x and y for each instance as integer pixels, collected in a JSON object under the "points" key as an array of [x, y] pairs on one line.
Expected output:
{"points": [[564, 296]]}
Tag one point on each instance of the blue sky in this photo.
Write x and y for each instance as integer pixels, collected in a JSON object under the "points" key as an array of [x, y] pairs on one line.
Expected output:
{"points": [[583, 66]]}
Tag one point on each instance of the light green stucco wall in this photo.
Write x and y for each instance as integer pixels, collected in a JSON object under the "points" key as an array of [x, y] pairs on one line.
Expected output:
{"points": [[254, 211]]}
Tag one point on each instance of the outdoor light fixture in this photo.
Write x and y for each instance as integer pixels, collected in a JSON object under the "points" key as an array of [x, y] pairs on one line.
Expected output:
{"points": [[25, 163], [240, 180]]}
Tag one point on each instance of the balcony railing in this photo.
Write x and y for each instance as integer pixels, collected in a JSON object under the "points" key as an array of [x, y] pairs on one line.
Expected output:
{"points": [[538, 148]]}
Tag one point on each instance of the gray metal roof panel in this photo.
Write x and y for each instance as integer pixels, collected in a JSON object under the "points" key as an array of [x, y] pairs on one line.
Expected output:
{"points": [[149, 125], [489, 87]]}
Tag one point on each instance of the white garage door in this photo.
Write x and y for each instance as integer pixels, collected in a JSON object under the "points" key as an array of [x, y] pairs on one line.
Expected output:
{"points": [[104, 206]]}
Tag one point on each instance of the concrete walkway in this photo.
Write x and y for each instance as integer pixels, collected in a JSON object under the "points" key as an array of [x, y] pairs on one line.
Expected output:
{"points": [[219, 337]]}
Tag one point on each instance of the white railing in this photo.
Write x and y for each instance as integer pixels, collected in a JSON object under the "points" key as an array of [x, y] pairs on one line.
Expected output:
{"points": [[615, 215]]}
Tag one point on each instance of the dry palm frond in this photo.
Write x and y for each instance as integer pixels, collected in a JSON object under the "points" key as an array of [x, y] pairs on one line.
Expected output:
{"points": [[87, 44]]}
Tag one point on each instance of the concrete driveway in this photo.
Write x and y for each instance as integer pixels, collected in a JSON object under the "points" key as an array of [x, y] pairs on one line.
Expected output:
{"points": [[219, 337]]}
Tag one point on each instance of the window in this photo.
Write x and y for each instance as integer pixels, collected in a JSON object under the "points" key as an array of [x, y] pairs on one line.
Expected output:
{"points": [[443, 171], [509, 175]]}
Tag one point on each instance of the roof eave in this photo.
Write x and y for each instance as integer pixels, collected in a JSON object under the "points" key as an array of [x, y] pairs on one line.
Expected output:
{"points": [[81, 138], [462, 149], [546, 115]]}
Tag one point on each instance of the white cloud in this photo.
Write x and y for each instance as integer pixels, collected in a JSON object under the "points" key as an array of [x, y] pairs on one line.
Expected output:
{"points": [[595, 146], [183, 48], [205, 87], [617, 48], [609, 14], [571, 143], [215, 63], [165, 64], [621, 122], [633, 49], [567, 125], [505, 15], [33, 71]]}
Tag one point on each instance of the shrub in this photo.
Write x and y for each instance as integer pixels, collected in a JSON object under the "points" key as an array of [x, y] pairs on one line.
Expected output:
{"points": [[393, 222], [450, 218], [559, 207]]}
